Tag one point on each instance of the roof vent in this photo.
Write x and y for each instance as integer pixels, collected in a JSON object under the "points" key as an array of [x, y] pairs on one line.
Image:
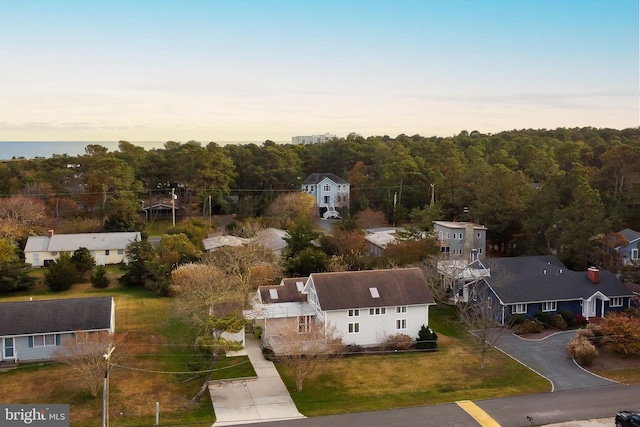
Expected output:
{"points": [[374, 293], [273, 293]]}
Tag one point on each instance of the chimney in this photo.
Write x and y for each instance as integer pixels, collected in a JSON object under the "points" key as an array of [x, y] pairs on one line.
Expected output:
{"points": [[593, 274], [50, 233], [468, 242]]}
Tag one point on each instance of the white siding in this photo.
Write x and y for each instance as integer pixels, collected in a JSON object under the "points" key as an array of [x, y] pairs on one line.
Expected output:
{"points": [[375, 329]]}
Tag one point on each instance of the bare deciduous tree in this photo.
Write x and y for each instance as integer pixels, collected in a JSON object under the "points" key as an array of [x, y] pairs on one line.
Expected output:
{"points": [[207, 301], [21, 216], [245, 266], [482, 316], [85, 354], [289, 207], [301, 351]]}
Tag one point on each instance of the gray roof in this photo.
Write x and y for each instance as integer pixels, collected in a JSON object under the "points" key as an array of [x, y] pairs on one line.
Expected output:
{"points": [[351, 289], [71, 242], [56, 315], [286, 291], [546, 278], [630, 235], [315, 178]]}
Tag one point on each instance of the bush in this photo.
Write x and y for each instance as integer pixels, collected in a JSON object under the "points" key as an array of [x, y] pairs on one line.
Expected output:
{"points": [[83, 262], [530, 326], [553, 320], [61, 273], [516, 319], [399, 342], [568, 317], [622, 334], [99, 278], [581, 350], [579, 320], [427, 338]]}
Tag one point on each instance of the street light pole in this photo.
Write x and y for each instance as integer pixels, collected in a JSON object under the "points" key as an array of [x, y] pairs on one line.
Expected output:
{"points": [[105, 388]]}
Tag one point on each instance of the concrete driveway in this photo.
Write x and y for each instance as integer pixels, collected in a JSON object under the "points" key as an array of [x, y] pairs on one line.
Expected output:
{"points": [[547, 357], [253, 400]]}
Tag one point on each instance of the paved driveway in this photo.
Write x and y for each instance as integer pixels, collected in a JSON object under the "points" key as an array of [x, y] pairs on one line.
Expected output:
{"points": [[547, 357]]}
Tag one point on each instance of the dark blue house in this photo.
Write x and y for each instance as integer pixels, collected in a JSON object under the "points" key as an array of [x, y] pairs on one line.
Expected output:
{"points": [[531, 284]]}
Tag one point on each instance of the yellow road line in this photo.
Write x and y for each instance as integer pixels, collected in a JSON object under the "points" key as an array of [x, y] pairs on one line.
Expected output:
{"points": [[478, 414]]}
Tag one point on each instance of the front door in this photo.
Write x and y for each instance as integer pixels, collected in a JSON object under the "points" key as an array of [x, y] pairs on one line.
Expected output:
{"points": [[8, 351], [36, 260]]}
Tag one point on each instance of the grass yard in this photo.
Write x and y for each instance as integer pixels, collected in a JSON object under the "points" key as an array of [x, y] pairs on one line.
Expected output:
{"points": [[154, 348], [374, 382]]}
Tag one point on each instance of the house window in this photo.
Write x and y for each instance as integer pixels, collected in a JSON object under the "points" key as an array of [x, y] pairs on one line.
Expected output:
{"points": [[120, 251], [549, 306], [54, 253], [45, 340], [489, 302], [354, 312], [327, 187], [401, 309], [354, 328], [519, 308], [615, 302], [106, 252], [378, 311], [478, 235], [634, 254], [401, 324], [303, 324]]}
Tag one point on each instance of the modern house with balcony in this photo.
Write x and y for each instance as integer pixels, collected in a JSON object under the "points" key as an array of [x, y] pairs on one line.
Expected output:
{"points": [[330, 191]]}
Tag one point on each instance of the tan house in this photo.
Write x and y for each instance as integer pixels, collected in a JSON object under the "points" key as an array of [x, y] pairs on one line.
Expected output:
{"points": [[106, 248]]}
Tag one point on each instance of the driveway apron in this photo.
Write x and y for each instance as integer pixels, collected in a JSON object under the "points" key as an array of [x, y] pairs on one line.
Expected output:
{"points": [[547, 357], [253, 400]]}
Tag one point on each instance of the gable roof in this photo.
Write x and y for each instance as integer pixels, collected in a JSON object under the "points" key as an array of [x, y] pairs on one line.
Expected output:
{"points": [[56, 315], [630, 235], [71, 242], [352, 289], [545, 278], [315, 178], [286, 291]]}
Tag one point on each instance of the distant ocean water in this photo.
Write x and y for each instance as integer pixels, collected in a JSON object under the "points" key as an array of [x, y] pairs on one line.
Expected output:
{"points": [[32, 149]]}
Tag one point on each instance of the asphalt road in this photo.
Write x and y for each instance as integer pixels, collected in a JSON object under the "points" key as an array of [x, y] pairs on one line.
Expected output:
{"points": [[544, 409]]}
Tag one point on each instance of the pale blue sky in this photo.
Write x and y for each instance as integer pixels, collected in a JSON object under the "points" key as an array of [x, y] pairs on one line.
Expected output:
{"points": [[238, 70]]}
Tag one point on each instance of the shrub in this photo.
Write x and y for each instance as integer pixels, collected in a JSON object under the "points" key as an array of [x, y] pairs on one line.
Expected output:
{"points": [[516, 319], [61, 273], [558, 322], [399, 342], [83, 261], [579, 320], [581, 350], [631, 312], [99, 278], [530, 326], [427, 338], [568, 317], [622, 334], [545, 317]]}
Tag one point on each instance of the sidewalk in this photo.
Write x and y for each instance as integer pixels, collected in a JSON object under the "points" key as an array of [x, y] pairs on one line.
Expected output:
{"points": [[253, 400]]}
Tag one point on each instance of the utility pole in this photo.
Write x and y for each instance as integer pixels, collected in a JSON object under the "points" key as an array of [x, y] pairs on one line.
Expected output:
{"points": [[105, 388], [173, 206]]}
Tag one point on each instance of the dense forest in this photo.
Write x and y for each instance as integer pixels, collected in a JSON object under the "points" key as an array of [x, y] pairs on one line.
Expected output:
{"points": [[557, 191]]}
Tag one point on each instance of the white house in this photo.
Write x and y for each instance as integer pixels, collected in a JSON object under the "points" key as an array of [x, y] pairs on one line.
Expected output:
{"points": [[106, 248], [31, 330], [312, 139], [330, 192], [365, 307]]}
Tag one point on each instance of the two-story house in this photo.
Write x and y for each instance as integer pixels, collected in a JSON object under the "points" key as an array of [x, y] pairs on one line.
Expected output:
{"points": [[330, 191], [365, 307], [461, 240]]}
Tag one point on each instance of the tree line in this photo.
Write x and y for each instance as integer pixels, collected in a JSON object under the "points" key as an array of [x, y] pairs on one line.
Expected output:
{"points": [[542, 191]]}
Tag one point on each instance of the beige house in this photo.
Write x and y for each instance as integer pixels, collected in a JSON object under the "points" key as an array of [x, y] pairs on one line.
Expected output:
{"points": [[106, 248]]}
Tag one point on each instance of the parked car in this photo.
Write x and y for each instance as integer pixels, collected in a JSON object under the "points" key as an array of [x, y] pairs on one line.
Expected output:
{"points": [[628, 419]]}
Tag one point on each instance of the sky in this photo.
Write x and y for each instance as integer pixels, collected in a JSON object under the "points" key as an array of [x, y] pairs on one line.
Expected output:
{"points": [[241, 70]]}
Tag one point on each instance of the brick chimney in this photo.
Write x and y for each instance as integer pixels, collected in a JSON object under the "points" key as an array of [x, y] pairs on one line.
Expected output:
{"points": [[593, 274], [50, 233]]}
